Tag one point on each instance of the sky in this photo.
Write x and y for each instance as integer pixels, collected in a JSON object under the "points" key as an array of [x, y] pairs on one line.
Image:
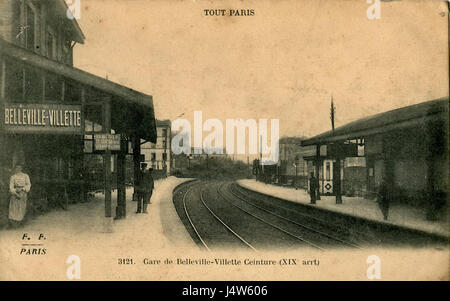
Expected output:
{"points": [[285, 62]]}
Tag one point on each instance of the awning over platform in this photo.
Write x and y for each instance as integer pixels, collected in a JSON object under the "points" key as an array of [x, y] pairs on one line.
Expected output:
{"points": [[136, 109], [406, 117]]}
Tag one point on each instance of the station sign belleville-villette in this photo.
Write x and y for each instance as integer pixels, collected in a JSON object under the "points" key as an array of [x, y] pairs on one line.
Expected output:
{"points": [[41, 118]]}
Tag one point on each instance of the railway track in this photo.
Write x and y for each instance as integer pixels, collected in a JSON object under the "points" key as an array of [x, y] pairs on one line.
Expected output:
{"points": [[335, 231], [290, 219], [222, 215], [269, 223], [191, 222], [357, 231], [205, 228], [218, 217]]}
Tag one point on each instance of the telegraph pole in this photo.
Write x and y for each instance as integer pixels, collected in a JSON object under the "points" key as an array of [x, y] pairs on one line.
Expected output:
{"points": [[108, 222], [332, 111]]}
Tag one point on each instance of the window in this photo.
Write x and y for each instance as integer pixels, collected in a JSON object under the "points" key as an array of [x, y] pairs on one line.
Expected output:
{"points": [[328, 173], [164, 132], [67, 53], [51, 44], [30, 28], [153, 156], [88, 144], [164, 156]]}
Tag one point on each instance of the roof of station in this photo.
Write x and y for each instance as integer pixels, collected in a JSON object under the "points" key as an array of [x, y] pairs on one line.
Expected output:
{"points": [[404, 117]]}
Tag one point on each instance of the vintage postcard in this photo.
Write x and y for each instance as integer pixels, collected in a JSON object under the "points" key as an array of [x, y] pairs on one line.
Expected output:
{"points": [[224, 140]]}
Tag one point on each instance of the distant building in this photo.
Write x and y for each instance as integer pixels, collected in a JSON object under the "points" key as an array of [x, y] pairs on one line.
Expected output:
{"points": [[158, 155], [200, 153], [291, 161], [197, 156], [292, 166]]}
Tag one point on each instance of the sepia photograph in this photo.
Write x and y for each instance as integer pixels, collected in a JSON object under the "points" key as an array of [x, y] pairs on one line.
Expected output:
{"points": [[224, 140]]}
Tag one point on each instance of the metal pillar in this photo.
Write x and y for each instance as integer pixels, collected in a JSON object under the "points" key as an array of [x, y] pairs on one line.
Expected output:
{"points": [[136, 157], [83, 125], [337, 180], [107, 169], [317, 171], [388, 164], [121, 189]]}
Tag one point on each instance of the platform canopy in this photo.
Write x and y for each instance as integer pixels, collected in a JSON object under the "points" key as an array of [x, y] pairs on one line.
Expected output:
{"points": [[132, 111], [407, 117]]}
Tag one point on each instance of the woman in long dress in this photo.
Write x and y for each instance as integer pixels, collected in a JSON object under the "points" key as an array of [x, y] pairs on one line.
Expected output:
{"points": [[19, 186]]}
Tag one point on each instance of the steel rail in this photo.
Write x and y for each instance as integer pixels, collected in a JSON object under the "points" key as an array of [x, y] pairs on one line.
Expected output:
{"points": [[295, 222], [268, 223], [223, 223], [190, 220], [302, 214]]}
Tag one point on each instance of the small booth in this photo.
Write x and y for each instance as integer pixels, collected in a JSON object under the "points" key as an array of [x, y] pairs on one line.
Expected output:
{"points": [[351, 172]]}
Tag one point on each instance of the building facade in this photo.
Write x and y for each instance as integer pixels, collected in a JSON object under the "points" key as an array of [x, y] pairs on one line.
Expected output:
{"points": [[293, 168], [158, 155], [42, 27], [48, 109]]}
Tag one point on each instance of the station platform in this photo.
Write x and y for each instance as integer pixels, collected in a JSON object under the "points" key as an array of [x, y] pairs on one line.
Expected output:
{"points": [[156, 246], [399, 214], [79, 231]]}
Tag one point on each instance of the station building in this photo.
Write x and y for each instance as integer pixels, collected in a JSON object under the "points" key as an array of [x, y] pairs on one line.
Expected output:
{"points": [[407, 148], [54, 116]]}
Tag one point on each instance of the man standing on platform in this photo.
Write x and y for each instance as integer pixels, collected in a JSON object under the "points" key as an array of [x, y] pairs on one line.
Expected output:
{"points": [[384, 198], [139, 188], [149, 185]]}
